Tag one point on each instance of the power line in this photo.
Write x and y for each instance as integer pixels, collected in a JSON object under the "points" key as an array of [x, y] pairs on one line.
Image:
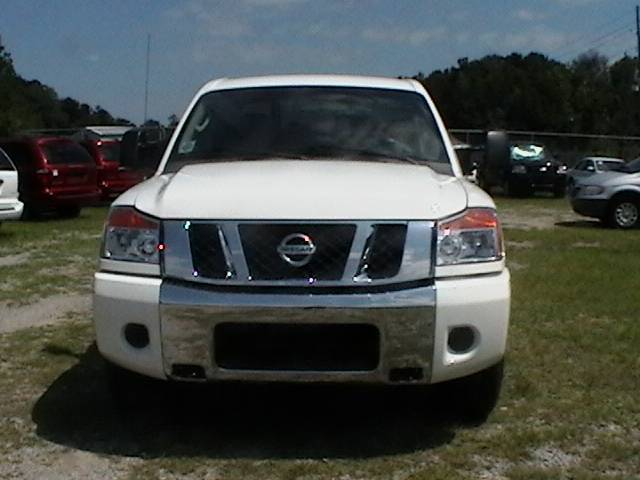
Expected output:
{"points": [[595, 42], [618, 20]]}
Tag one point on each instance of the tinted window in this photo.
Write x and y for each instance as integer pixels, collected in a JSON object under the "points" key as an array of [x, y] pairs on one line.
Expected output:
{"points": [[20, 154], [605, 165], [58, 153], [110, 151], [310, 122], [581, 165], [5, 163]]}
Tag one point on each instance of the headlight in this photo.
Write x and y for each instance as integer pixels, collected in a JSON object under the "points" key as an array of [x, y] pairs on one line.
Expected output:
{"points": [[518, 169], [131, 236], [475, 236], [592, 190], [562, 169]]}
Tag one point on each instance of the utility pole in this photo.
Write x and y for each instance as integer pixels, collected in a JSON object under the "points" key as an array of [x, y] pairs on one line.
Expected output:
{"points": [[146, 79], [636, 84]]}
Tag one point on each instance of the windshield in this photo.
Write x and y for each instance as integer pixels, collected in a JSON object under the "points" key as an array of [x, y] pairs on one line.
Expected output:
{"points": [[310, 122], [528, 153]]}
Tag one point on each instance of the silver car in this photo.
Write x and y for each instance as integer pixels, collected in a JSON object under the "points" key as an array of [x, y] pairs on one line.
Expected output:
{"points": [[613, 196], [589, 166]]}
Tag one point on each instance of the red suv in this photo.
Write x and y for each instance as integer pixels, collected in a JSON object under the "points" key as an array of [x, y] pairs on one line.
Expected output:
{"points": [[55, 174], [113, 179]]}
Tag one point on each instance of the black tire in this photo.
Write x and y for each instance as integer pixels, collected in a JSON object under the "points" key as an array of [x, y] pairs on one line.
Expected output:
{"points": [[29, 212], [474, 397]]}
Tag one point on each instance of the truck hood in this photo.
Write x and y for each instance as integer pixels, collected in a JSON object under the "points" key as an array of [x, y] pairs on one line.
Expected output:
{"points": [[297, 190]]}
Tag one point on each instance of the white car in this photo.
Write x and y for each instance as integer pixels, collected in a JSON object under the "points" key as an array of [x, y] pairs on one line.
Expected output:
{"points": [[307, 229], [10, 206]]}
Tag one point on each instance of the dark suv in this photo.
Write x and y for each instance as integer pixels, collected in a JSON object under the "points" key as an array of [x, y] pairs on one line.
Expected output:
{"points": [[113, 178], [531, 168], [55, 174]]}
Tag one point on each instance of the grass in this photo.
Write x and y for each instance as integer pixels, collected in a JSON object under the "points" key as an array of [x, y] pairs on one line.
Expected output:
{"points": [[569, 407], [55, 256]]}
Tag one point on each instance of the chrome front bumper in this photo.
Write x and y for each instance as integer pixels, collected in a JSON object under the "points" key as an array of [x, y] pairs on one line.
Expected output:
{"points": [[405, 320], [413, 327]]}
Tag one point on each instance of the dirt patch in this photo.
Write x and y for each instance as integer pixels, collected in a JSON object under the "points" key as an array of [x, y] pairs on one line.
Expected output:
{"points": [[13, 260], [45, 311], [524, 244], [586, 245], [515, 266], [538, 219], [54, 462], [551, 457]]}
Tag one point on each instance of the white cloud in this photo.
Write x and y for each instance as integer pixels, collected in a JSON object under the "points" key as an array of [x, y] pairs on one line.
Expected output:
{"points": [[273, 3], [395, 35], [528, 15], [534, 39]]}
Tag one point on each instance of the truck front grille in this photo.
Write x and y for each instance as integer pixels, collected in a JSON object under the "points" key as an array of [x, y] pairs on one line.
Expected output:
{"points": [[298, 254], [265, 250]]}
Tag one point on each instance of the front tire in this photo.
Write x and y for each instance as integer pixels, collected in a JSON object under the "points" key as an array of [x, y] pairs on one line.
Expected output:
{"points": [[474, 397], [624, 213]]}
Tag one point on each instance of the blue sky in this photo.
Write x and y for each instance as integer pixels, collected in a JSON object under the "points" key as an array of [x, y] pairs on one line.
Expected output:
{"points": [[94, 50]]}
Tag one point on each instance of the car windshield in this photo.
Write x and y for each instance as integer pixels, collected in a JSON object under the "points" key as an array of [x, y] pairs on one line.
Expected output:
{"points": [[528, 153], [310, 123]]}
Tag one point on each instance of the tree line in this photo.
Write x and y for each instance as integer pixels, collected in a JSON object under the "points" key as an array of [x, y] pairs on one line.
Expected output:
{"points": [[536, 93], [30, 104], [515, 92]]}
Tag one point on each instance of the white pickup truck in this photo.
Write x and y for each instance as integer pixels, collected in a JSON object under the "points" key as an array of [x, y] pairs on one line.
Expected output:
{"points": [[307, 229]]}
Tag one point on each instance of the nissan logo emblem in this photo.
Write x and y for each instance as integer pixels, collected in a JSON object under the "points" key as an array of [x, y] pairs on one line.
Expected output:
{"points": [[296, 249]]}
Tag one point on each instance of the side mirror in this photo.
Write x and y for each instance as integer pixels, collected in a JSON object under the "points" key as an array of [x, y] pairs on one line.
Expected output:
{"points": [[497, 152], [591, 168]]}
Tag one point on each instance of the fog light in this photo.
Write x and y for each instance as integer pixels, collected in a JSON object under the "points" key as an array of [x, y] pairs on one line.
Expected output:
{"points": [[136, 335], [461, 339]]}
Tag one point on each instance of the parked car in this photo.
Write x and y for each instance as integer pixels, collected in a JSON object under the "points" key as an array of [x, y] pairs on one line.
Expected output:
{"points": [[54, 174], [112, 178], [532, 168], [10, 206], [307, 229], [591, 165], [142, 149], [612, 196], [470, 158]]}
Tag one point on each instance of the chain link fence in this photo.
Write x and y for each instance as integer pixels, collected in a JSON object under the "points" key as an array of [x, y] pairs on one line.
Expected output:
{"points": [[566, 147]]}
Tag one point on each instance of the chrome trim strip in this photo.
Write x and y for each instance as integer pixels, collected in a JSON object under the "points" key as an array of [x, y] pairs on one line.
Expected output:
{"points": [[231, 272]]}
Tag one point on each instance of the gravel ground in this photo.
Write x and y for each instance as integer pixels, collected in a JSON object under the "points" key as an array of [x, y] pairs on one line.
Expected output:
{"points": [[43, 312]]}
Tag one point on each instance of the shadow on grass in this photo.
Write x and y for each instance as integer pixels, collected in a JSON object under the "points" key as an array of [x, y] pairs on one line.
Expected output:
{"points": [[580, 224], [239, 420]]}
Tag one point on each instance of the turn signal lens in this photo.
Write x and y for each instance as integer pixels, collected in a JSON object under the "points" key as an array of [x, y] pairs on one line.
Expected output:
{"points": [[475, 236], [131, 236]]}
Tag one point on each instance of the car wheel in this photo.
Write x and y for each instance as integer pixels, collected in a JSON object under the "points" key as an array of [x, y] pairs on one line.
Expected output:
{"points": [[624, 213], [29, 212], [474, 397]]}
